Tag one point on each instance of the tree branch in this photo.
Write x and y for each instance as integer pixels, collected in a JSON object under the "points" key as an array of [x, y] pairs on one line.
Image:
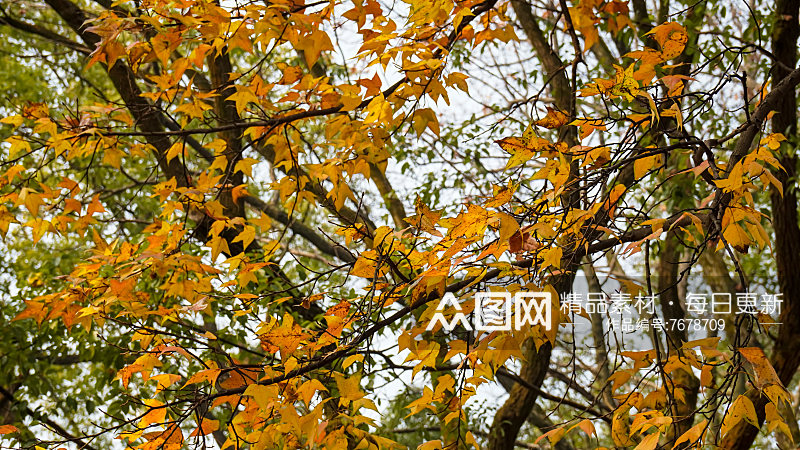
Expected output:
{"points": [[56, 428]]}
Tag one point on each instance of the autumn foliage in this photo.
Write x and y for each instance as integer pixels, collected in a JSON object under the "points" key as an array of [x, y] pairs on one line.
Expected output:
{"points": [[229, 223]]}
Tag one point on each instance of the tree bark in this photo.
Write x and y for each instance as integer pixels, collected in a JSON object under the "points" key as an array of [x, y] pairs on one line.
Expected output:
{"points": [[786, 352], [510, 417]]}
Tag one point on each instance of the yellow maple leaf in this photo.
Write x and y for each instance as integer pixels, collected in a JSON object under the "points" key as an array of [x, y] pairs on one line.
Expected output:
{"points": [[625, 85], [239, 192], [286, 338], [552, 257], [672, 38], [425, 219], [737, 237], [553, 119], [349, 388]]}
